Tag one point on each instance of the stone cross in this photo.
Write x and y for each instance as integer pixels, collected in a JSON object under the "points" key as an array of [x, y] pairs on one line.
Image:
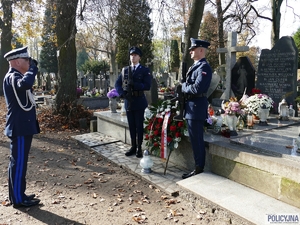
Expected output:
{"points": [[148, 63], [230, 51]]}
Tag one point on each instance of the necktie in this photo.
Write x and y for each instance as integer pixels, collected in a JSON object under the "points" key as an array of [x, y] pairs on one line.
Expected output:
{"points": [[133, 69]]}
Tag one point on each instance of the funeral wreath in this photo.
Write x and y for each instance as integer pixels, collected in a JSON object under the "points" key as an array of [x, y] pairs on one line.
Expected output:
{"points": [[161, 129]]}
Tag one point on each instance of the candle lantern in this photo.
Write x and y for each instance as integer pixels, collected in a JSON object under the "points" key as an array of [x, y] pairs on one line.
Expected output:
{"points": [[146, 162]]}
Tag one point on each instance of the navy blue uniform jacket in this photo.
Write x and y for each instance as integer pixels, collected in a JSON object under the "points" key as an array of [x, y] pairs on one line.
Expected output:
{"points": [[198, 81], [18, 121], [141, 82]]}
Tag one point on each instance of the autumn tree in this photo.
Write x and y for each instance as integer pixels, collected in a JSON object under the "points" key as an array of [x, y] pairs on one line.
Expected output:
{"points": [[6, 37], [296, 37], [48, 55], [95, 66], [160, 64], [192, 29], [209, 32], [97, 31], [134, 29], [66, 32]]}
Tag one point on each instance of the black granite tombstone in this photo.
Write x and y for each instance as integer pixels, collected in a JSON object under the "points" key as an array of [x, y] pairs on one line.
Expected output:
{"points": [[277, 72], [242, 77], [152, 95]]}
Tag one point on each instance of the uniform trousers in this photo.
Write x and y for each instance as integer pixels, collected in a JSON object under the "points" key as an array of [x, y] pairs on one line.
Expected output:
{"points": [[19, 151], [195, 129], [136, 125]]}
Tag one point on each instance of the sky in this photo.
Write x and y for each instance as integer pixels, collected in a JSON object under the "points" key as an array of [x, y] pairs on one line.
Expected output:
{"points": [[289, 23]]}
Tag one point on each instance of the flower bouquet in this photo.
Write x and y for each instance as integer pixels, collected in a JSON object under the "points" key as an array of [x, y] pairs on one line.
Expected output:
{"points": [[112, 93], [257, 101], [232, 107]]}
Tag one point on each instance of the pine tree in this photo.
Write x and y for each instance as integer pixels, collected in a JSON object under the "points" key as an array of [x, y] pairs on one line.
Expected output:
{"points": [[175, 60], [48, 56], [82, 57], [134, 29]]}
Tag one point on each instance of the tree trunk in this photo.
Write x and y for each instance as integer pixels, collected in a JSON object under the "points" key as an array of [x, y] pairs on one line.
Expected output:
{"points": [[220, 31], [66, 31], [6, 37], [276, 16], [193, 27]]}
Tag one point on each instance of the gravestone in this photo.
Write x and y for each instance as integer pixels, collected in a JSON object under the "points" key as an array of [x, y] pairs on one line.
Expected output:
{"points": [[91, 80], [163, 80], [152, 95], [230, 51], [172, 79], [97, 83], [242, 77], [277, 72]]}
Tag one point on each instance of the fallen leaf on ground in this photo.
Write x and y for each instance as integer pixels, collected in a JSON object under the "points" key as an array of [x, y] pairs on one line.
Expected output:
{"points": [[163, 197], [139, 218], [89, 181], [175, 213], [171, 201]]}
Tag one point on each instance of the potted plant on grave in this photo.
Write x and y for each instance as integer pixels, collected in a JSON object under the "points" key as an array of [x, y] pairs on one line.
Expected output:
{"points": [[162, 133]]}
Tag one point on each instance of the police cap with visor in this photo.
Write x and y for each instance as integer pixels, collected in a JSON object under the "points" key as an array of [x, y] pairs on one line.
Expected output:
{"points": [[135, 50], [17, 53], [195, 43]]}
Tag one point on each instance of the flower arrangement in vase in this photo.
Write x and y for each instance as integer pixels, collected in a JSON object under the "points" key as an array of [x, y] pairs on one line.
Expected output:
{"points": [[113, 104], [232, 109], [112, 93], [257, 101]]}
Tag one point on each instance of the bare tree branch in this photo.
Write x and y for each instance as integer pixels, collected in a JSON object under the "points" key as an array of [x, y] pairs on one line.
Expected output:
{"points": [[260, 16]]}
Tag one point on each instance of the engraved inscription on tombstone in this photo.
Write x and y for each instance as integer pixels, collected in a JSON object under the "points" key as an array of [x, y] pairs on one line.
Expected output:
{"points": [[277, 71]]}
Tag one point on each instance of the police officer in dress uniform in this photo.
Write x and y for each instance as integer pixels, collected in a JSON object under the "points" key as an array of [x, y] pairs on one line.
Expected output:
{"points": [[21, 122], [135, 102], [197, 82]]}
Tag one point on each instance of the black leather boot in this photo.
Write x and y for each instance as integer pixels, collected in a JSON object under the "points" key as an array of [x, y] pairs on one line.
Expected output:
{"points": [[194, 172], [139, 152], [132, 150]]}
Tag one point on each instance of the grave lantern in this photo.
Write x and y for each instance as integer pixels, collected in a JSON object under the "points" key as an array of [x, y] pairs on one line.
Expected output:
{"points": [[283, 110], [146, 162]]}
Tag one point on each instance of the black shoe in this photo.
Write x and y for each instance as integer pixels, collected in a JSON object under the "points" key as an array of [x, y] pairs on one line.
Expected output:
{"points": [[27, 203], [30, 197], [194, 172], [178, 118], [139, 153], [131, 151]]}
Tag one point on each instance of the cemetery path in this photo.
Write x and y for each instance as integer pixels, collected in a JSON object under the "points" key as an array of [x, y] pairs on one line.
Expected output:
{"points": [[77, 186]]}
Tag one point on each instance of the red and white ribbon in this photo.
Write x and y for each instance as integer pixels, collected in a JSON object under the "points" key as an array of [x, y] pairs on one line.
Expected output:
{"points": [[164, 135]]}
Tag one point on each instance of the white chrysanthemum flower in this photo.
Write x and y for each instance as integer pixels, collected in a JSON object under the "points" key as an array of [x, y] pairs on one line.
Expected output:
{"points": [[186, 133], [176, 144]]}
